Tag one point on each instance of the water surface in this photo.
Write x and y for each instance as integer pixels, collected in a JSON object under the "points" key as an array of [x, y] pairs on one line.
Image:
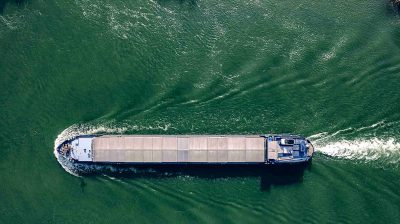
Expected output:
{"points": [[326, 70]]}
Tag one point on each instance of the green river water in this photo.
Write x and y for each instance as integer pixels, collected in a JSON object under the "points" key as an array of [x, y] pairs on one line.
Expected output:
{"points": [[328, 70]]}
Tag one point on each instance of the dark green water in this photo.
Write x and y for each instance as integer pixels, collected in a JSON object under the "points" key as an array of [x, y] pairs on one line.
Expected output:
{"points": [[325, 69]]}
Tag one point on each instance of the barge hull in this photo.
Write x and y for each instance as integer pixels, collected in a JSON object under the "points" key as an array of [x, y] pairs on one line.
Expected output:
{"points": [[187, 149]]}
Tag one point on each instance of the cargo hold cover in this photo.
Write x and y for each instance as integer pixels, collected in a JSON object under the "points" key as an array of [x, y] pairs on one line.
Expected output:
{"points": [[179, 149]]}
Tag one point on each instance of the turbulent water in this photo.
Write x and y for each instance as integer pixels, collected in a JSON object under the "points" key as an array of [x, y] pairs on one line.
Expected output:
{"points": [[328, 70]]}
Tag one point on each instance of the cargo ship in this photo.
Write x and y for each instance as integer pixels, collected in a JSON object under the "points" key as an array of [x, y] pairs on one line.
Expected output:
{"points": [[187, 149]]}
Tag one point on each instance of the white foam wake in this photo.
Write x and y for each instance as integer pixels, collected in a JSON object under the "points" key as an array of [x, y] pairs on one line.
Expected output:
{"points": [[373, 149], [376, 142]]}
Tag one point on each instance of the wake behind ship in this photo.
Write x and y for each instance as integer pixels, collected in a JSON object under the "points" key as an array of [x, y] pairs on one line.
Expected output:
{"points": [[187, 149]]}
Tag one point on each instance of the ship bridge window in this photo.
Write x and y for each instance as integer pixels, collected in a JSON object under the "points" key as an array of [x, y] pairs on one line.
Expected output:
{"points": [[287, 141], [298, 141]]}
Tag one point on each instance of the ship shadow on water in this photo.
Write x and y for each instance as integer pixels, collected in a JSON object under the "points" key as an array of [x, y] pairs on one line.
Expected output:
{"points": [[268, 175]]}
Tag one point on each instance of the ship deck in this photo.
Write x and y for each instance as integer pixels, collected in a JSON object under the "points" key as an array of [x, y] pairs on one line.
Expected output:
{"points": [[178, 149]]}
